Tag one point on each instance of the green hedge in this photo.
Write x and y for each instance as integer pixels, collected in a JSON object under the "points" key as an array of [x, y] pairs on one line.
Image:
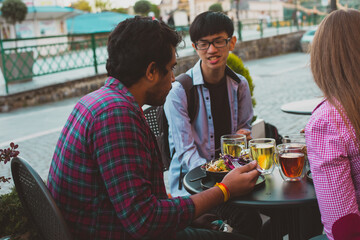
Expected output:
{"points": [[13, 219], [237, 65]]}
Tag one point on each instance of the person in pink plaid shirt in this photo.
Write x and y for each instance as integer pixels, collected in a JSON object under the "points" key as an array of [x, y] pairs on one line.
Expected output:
{"points": [[333, 132]]}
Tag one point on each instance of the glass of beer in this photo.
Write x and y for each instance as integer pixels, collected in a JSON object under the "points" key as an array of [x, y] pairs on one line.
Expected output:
{"points": [[291, 157], [233, 144], [263, 151]]}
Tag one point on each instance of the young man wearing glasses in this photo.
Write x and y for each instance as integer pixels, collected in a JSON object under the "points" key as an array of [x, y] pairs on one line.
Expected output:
{"points": [[224, 106]]}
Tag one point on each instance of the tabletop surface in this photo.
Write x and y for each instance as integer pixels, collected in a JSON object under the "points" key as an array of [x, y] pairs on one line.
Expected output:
{"points": [[274, 192], [304, 107]]}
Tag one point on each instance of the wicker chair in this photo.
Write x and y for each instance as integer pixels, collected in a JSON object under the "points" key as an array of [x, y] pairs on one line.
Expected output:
{"points": [[38, 202]]}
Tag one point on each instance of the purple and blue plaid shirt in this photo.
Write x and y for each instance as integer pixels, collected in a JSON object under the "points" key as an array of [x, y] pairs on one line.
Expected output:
{"points": [[106, 173]]}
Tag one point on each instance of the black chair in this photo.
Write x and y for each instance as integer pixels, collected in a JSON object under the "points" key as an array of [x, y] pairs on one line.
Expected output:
{"points": [[38, 202], [151, 118]]}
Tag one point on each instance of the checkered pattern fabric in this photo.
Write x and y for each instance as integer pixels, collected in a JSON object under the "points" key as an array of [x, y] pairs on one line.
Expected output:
{"points": [[106, 174], [334, 156]]}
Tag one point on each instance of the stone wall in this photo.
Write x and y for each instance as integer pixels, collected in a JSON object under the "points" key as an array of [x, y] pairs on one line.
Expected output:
{"points": [[51, 93], [248, 50]]}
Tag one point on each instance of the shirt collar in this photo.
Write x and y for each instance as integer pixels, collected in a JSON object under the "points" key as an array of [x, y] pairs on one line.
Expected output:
{"points": [[115, 84], [118, 86], [198, 79]]}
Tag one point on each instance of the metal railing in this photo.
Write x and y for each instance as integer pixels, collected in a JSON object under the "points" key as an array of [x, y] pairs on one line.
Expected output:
{"points": [[263, 27], [23, 59]]}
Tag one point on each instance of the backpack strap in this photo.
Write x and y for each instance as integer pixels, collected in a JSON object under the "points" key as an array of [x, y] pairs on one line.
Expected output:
{"points": [[192, 99], [192, 96]]}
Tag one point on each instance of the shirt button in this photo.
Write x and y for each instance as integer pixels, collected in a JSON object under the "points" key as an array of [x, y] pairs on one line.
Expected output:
{"points": [[209, 117], [212, 136], [207, 98]]}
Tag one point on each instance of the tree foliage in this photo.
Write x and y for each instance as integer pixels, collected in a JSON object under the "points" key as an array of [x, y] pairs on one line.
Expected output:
{"points": [[237, 65], [155, 9], [216, 7], [82, 5], [103, 5], [14, 11], [120, 10], [142, 7]]}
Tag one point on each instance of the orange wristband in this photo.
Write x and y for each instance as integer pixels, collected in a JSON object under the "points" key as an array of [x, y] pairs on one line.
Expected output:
{"points": [[223, 188], [227, 190]]}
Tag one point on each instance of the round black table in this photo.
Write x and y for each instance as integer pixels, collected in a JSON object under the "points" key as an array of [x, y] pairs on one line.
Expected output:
{"points": [[272, 196]]}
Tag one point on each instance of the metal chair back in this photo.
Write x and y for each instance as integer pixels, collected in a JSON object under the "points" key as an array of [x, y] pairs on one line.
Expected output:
{"points": [[151, 118], [38, 202]]}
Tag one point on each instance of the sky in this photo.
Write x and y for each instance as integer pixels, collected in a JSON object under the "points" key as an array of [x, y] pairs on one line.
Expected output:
{"points": [[127, 3]]}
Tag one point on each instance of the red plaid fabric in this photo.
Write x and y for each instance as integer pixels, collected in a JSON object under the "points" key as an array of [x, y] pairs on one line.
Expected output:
{"points": [[106, 173]]}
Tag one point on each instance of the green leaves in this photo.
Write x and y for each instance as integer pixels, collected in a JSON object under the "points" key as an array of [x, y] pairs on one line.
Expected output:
{"points": [[14, 11], [142, 7]]}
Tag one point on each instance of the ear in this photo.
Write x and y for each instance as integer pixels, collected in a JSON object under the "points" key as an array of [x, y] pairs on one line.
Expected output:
{"points": [[193, 45], [232, 43], [151, 71]]}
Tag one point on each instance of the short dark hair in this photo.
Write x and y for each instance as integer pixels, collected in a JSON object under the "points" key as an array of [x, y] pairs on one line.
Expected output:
{"points": [[135, 43], [209, 23]]}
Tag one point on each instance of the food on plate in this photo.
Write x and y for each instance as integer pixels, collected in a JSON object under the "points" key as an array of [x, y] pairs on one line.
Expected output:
{"points": [[223, 164]]}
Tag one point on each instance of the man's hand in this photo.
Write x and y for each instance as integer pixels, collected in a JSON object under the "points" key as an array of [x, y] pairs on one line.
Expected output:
{"points": [[242, 180], [246, 132]]}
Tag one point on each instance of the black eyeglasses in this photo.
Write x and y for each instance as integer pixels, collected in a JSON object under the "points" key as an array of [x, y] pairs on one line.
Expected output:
{"points": [[218, 43]]}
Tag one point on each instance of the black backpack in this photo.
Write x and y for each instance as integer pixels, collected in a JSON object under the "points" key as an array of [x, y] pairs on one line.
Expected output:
{"points": [[160, 128], [272, 132]]}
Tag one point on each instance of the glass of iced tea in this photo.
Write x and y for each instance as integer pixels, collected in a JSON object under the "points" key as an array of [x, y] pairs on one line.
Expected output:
{"points": [[263, 151], [291, 157], [233, 144], [300, 139]]}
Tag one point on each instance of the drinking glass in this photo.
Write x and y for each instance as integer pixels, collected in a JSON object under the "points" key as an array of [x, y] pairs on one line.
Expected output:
{"points": [[233, 144], [298, 138], [291, 157], [263, 151]]}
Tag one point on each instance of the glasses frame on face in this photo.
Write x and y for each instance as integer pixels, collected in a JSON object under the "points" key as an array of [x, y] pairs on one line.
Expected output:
{"points": [[226, 41]]}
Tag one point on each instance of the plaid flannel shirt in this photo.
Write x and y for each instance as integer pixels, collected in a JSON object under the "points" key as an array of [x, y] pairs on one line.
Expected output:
{"points": [[106, 173]]}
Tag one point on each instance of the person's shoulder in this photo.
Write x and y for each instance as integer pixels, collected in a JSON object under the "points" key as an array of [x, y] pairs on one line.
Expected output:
{"points": [[103, 100], [325, 110]]}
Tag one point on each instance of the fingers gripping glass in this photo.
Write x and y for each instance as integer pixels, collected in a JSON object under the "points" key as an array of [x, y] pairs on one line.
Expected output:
{"points": [[218, 43]]}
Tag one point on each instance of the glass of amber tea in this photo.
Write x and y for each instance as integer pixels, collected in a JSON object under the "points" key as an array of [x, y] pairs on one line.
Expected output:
{"points": [[263, 151], [233, 144], [298, 138], [291, 157]]}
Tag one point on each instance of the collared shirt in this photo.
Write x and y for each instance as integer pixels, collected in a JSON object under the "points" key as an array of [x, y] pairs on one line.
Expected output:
{"points": [[106, 173], [193, 143], [334, 158]]}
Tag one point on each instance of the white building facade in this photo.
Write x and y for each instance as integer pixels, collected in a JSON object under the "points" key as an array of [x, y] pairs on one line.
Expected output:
{"points": [[247, 9]]}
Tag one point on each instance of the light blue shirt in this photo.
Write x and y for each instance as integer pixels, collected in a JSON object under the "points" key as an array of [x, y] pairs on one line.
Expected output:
{"points": [[193, 143]]}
